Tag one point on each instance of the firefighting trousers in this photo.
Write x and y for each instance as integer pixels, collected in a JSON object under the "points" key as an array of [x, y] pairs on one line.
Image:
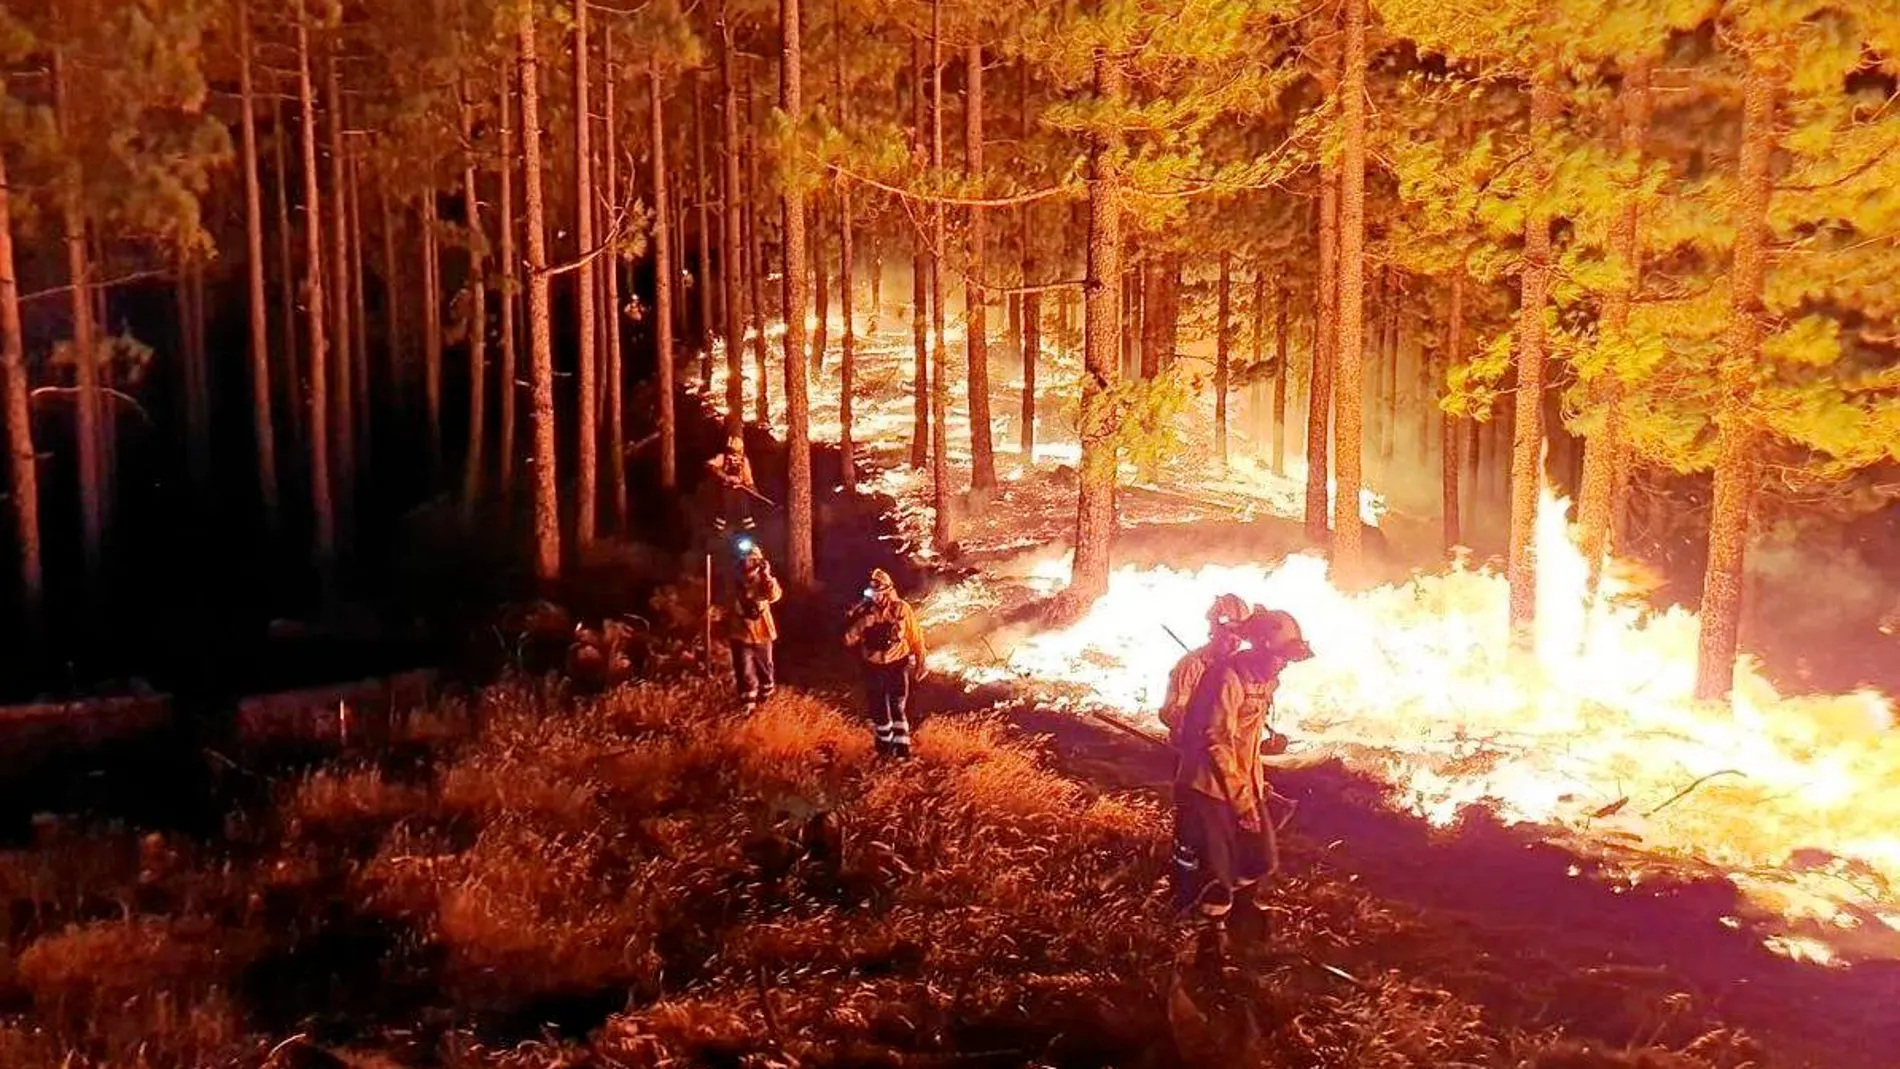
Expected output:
{"points": [[1214, 857], [752, 670], [887, 692]]}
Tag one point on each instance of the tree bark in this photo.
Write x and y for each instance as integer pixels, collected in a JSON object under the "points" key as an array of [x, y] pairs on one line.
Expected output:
{"points": [[977, 337], [314, 318], [263, 426], [287, 279], [1449, 426], [342, 410], [472, 459], [847, 280], [798, 496], [664, 274], [1257, 349], [1320, 393], [922, 267], [1095, 486], [1281, 375], [587, 456], [703, 284], [1223, 338], [359, 319], [21, 459], [731, 269], [505, 254], [610, 317], [1738, 436], [1150, 304], [432, 334], [942, 533], [755, 259], [547, 516], [1347, 434], [1388, 349], [820, 285], [1528, 440], [1032, 331], [1597, 498], [92, 503]]}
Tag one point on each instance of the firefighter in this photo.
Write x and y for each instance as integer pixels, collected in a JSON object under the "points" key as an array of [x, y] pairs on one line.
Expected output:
{"points": [[883, 629], [751, 631], [732, 476], [1224, 836], [1227, 611]]}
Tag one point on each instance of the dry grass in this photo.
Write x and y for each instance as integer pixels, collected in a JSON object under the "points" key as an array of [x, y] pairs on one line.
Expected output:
{"points": [[667, 884]]}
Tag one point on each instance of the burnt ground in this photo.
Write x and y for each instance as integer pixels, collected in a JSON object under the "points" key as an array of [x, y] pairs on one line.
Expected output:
{"points": [[1608, 962]]}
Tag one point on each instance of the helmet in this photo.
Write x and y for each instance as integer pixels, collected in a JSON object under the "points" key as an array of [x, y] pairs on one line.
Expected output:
{"points": [[1226, 611], [881, 580], [1279, 632]]}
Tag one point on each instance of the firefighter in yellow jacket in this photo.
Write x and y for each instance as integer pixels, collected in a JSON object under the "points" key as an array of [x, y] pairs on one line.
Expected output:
{"points": [[1226, 612], [751, 631], [1224, 837], [883, 630]]}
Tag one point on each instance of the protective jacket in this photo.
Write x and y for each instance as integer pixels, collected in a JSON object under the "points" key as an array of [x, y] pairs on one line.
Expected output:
{"points": [[1183, 678], [749, 617], [885, 631], [729, 468], [1219, 738]]}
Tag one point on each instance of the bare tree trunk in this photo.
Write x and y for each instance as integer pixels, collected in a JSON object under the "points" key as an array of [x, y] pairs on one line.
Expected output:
{"points": [[92, 499], [1258, 350], [1449, 462], [1388, 350], [798, 496], [547, 515], [703, 237], [847, 369], [287, 279], [359, 266], [1095, 485], [922, 267], [191, 358], [587, 456], [1738, 461], [611, 320], [21, 459], [1149, 302], [664, 275], [1527, 445], [1223, 339], [1347, 435], [731, 268], [755, 258], [942, 532], [394, 364], [320, 497], [977, 337], [262, 425], [342, 412], [473, 454], [505, 251], [1321, 388], [821, 287], [1032, 335]]}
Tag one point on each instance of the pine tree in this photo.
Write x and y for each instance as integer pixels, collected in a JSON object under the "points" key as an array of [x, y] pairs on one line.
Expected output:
{"points": [[982, 449], [1347, 434], [314, 325], [547, 516], [263, 426], [21, 459], [798, 504], [587, 460]]}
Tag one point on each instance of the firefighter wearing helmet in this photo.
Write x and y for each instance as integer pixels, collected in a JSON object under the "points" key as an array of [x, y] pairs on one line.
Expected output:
{"points": [[731, 475], [1224, 838], [1227, 611], [882, 630]]}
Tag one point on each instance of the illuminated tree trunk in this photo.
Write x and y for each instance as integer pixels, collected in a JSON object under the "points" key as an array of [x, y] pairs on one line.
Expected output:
{"points": [[702, 237], [478, 319], [941, 531], [342, 410], [664, 274], [1095, 487], [1032, 311], [922, 267], [798, 498], [1148, 306], [262, 425], [1347, 434], [587, 456], [393, 349], [821, 287], [286, 280], [432, 334], [505, 251], [731, 271], [1223, 337], [1449, 426], [320, 498], [359, 318], [977, 338], [1604, 454], [1528, 440], [1257, 350], [1738, 461], [21, 459], [547, 516], [92, 498], [847, 278], [755, 260], [1388, 350], [1320, 392], [1281, 374], [610, 317]]}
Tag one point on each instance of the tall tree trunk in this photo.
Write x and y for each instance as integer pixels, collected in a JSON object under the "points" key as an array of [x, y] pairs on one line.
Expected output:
{"points": [[664, 275], [287, 298], [702, 237], [922, 267], [610, 317], [977, 336], [587, 456], [731, 270], [197, 415], [798, 497], [432, 333], [394, 365], [1281, 375], [821, 287], [505, 253], [1032, 332], [1388, 349], [1319, 401], [321, 503], [1223, 340], [21, 459], [262, 425], [755, 258], [942, 533], [1604, 453], [92, 499], [473, 454], [1257, 349], [1347, 436], [847, 370], [1150, 303], [1738, 460], [547, 515], [359, 319], [1449, 426], [1528, 442], [1095, 486], [342, 411]]}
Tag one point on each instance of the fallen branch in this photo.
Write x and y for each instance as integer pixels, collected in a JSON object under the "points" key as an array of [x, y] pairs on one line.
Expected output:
{"points": [[1684, 793]]}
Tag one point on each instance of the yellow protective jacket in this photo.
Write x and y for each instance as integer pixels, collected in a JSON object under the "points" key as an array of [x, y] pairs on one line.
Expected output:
{"points": [[723, 467], [749, 617], [886, 632], [1182, 679], [1218, 741]]}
